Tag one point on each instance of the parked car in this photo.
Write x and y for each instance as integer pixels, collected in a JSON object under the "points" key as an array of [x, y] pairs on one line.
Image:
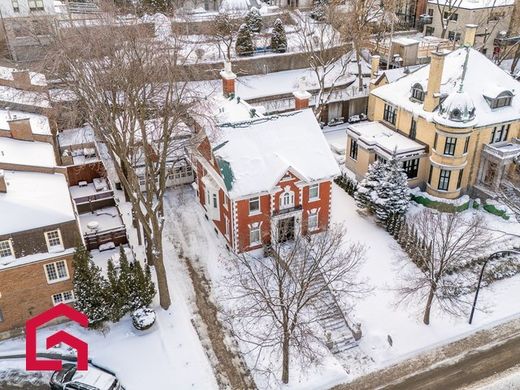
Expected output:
{"points": [[69, 378]]}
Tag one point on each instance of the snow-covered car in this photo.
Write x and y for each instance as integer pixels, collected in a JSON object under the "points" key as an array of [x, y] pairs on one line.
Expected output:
{"points": [[69, 378]]}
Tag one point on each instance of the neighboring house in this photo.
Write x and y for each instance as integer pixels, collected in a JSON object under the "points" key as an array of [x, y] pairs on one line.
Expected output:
{"points": [[260, 177], [38, 234], [491, 16], [455, 129], [25, 27]]}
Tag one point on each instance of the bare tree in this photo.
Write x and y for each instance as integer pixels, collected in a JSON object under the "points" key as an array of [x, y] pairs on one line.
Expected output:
{"points": [[447, 10], [452, 239], [224, 28], [276, 296], [133, 96], [324, 47], [359, 20], [512, 50]]}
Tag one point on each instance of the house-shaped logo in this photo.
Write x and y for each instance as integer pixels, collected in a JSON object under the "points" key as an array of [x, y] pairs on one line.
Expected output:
{"points": [[31, 360]]}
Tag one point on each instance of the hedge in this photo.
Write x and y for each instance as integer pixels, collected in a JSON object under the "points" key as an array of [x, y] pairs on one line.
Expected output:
{"points": [[441, 206], [493, 210]]}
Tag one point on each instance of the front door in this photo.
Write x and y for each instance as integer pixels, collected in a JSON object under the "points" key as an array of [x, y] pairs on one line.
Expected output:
{"points": [[286, 229]]}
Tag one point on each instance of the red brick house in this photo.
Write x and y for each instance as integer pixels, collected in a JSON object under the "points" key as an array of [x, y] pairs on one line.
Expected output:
{"points": [[264, 177]]}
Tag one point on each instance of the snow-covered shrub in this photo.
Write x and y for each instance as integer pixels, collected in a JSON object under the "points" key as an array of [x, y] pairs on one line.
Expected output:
{"points": [[367, 186], [254, 20], [319, 12], [348, 184], [392, 195], [278, 37], [143, 318], [90, 288], [244, 45]]}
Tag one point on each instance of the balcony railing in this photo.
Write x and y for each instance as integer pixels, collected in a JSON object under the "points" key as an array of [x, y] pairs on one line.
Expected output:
{"points": [[116, 235], [503, 150]]}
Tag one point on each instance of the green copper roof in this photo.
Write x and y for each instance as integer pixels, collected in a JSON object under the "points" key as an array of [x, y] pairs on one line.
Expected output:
{"points": [[227, 173]]}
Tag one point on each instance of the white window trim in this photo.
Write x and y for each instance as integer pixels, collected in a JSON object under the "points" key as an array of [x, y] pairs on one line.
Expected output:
{"points": [[256, 212], [292, 199], [10, 243], [55, 248], [64, 300], [59, 279], [313, 213], [256, 226], [317, 197]]}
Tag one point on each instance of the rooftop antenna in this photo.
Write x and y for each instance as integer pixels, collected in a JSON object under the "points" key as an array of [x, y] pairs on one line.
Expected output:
{"points": [[464, 69]]}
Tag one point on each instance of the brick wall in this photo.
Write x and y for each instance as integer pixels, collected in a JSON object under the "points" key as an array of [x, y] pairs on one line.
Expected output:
{"points": [[244, 220], [24, 292]]}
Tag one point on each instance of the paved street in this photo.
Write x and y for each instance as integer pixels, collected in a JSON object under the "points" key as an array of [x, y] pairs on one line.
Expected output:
{"points": [[453, 366]]}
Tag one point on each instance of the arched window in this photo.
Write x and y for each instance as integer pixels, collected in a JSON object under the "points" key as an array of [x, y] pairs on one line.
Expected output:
{"points": [[502, 100], [418, 92], [287, 199]]}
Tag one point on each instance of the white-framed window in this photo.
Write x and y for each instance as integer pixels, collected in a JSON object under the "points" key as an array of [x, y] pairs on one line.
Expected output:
{"points": [[16, 5], [63, 297], [215, 201], [36, 5], [54, 241], [254, 205], [1, 316], [6, 249], [314, 191], [286, 199], [56, 272], [313, 223], [254, 234]]}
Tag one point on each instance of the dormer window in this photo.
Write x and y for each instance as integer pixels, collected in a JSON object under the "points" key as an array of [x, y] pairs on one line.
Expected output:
{"points": [[502, 100], [418, 92]]}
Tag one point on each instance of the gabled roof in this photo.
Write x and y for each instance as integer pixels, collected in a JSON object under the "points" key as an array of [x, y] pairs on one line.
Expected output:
{"points": [[482, 77], [253, 155]]}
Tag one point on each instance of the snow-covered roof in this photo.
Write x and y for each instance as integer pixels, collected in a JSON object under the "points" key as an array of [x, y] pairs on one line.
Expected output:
{"points": [[39, 123], [34, 200], [375, 135], [28, 98], [29, 153], [482, 76], [235, 5], [36, 78], [473, 4], [397, 73], [77, 136], [234, 109], [254, 155]]}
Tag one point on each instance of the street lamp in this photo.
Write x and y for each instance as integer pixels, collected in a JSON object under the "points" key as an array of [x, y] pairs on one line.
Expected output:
{"points": [[490, 257]]}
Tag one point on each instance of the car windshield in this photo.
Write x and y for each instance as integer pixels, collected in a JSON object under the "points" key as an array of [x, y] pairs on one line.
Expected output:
{"points": [[65, 374]]}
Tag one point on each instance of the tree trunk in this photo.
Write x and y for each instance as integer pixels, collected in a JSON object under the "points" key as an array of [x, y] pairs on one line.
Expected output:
{"points": [[285, 357], [360, 73], [390, 48], [158, 259], [429, 302], [444, 29]]}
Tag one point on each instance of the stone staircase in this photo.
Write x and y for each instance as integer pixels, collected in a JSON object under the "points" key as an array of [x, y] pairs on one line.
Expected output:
{"points": [[510, 196]]}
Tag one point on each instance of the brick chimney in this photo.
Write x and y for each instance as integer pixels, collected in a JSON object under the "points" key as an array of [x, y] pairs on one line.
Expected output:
{"points": [[21, 79], [228, 80], [374, 66], [431, 100], [469, 34], [20, 128], [3, 183], [301, 96]]}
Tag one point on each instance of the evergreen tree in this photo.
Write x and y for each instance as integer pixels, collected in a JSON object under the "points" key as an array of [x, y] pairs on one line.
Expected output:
{"points": [[392, 195], [319, 12], [143, 287], [254, 20], [90, 288], [244, 45], [278, 38], [367, 187], [117, 302]]}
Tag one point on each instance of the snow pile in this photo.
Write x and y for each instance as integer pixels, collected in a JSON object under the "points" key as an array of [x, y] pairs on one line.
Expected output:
{"points": [[416, 191], [235, 5]]}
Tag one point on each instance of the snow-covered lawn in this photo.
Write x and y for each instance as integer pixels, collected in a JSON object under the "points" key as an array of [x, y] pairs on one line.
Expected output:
{"points": [[381, 317]]}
